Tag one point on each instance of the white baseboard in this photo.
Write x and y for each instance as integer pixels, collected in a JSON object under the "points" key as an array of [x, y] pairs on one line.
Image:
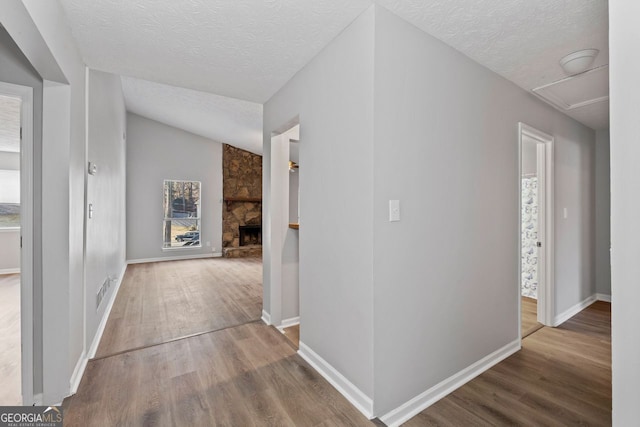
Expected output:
{"points": [[287, 323], [10, 271], [174, 258], [91, 353], [78, 371], [427, 398], [354, 395], [572, 311], [603, 297], [81, 365], [266, 317]]}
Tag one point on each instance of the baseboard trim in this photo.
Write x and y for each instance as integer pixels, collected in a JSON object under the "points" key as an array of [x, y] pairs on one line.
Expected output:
{"points": [[81, 365], [10, 271], [572, 311], [103, 322], [427, 398], [353, 394], [287, 323], [603, 297], [174, 258], [266, 317], [78, 371]]}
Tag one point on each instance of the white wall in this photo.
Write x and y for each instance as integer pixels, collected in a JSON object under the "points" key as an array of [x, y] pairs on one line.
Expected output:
{"points": [[529, 156], [446, 145], [603, 214], [9, 251], [333, 97], [16, 69], [9, 238], [41, 32], [624, 42], [106, 147], [156, 152], [8, 160], [51, 49]]}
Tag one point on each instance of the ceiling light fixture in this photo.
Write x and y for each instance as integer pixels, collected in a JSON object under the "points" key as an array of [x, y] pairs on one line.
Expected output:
{"points": [[578, 62]]}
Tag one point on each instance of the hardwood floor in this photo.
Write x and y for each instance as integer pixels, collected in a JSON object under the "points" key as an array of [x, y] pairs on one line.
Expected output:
{"points": [[529, 312], [562, 376], [247, 375], [159, 302], [10, 341], [251, 375], [292, 333]]}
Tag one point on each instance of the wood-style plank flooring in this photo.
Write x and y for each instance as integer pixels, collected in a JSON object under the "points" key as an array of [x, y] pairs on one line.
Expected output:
{"points": [[250, 374], [529, 312], [159, 302], [10, 335], [562, 376], [292, 333], [247, 375]]}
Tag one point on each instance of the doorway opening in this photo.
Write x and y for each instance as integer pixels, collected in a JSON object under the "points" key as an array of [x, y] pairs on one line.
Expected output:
{"points": [[535, 284], [282, 253], [16, 324]]}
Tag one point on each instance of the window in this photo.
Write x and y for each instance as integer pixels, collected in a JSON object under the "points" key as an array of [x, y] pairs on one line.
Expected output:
{"points": [[9, 199], [181, 227]]}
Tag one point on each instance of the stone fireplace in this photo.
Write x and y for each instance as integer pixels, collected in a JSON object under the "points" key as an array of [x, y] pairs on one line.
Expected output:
{"points": [[242, 209]]}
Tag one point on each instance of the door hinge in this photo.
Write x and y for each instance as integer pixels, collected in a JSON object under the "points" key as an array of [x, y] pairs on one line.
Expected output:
{"points": [[21, 134], [20, 241]]}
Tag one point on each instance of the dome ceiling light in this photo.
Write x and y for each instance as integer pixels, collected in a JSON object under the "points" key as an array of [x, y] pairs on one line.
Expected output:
{"points": [[578, 62]]}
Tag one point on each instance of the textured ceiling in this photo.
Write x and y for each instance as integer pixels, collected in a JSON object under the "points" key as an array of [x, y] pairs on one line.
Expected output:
{"points": [[246, 49], [10, 124], [222, 119], [522, 40]]}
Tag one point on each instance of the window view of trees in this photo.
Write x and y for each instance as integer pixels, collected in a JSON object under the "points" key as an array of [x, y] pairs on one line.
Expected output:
{"points": [[182, 214]]}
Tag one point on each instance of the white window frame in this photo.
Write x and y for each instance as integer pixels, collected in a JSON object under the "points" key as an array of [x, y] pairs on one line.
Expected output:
{"points": [[198, 218]]}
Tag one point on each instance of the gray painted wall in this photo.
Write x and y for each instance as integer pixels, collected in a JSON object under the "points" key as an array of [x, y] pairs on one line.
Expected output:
{"points": [[529, 156], [446, 145], [624, 37], [335, 107], [106, 239], [603, 214], [156, 152], [16, 69]]}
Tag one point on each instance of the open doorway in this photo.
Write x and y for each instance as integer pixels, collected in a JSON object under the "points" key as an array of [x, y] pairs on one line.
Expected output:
{"points": [[536, 229], [15, 226], [282, 227]]}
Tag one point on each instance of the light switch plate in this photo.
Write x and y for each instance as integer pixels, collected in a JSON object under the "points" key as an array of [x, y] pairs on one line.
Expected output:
{"points": [[394, 210]]}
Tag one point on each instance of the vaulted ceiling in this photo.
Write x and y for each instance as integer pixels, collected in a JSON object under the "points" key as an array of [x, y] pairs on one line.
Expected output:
{"points": [[248, 49]]}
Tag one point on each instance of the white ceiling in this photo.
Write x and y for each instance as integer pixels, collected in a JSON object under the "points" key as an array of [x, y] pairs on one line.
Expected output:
{"points": [[522, 40], [228, 120], [248, 49], [10, 124]]}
